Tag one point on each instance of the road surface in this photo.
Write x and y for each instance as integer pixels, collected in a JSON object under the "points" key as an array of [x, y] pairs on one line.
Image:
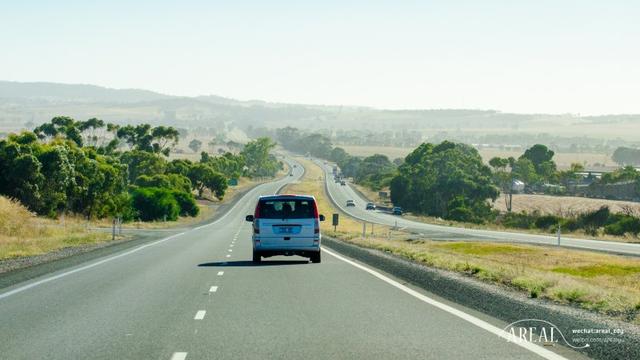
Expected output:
{"points": [[340, 194], [196, 295]]}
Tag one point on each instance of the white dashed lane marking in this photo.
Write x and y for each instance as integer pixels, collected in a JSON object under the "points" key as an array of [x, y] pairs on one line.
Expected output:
{"points": [[228, 255], [179, 356], [200, 315], [230, 250], [220, 273], [214, 288]]}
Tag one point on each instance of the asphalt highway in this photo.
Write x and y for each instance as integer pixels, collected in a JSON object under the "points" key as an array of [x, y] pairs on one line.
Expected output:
{"points": [[341, 193], [197, 295]]}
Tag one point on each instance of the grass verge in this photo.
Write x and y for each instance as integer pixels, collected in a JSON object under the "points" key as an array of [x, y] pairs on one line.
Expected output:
{"points": [[22, 233]]}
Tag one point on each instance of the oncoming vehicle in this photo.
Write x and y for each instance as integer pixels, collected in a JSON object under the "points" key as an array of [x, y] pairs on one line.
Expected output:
{"points": [[286, 225], [371, 206], [351, 203], [397, 210], [343, 183]]}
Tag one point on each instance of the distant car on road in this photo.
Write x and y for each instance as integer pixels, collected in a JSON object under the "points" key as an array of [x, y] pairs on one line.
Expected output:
{"points": [[351, 203], [371, 206], [397, 210], [343, 183], [286, 225], [290, 174]]}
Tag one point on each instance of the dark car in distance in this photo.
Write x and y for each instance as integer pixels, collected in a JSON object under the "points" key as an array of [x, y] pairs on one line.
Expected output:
{"points": [[397, 210]]}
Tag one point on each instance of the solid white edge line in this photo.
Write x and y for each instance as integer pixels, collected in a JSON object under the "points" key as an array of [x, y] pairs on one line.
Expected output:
{"points": [[129, 252], [451, 310], [200, 315], [213, 288], [179, 356]]}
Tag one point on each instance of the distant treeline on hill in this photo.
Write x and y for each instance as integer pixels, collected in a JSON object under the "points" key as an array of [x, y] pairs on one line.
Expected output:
{"points": [[101, 170]]}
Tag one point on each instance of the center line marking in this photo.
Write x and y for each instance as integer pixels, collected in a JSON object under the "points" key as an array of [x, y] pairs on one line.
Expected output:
{"points": [[230, 250], [179, 356], [228, 255], [220, 273], [200, 315], [214, 288]]}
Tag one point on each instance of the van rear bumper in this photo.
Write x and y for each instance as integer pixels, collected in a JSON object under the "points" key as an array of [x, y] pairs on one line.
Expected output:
{"points": [[288, 252], [284, 249]]}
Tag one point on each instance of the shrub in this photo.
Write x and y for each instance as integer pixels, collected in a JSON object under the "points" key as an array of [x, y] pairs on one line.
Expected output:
{"points": [[546, 221], [518, 220], [167, 181], [187, 203], [155, 203], [593, 220], [625, 224]]}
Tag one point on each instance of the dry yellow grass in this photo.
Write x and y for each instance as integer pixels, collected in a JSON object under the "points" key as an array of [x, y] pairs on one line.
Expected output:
{"points": [[600, 282], [24, 234], [564, 205]]}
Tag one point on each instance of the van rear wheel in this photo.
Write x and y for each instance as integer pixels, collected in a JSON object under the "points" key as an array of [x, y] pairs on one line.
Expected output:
{"points": [[256, 257], [315, 258]]}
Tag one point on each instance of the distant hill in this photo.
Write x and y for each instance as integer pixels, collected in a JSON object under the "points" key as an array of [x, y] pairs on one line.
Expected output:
{"points": [[74, 93], [24, 103]]}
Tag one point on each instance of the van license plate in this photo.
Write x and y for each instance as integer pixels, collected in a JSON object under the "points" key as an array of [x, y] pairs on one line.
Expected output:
{"points": [[285, 229]]}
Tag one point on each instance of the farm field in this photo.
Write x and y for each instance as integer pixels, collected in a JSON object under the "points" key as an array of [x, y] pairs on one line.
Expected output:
{"points": [[564, 205], [564, 160]]}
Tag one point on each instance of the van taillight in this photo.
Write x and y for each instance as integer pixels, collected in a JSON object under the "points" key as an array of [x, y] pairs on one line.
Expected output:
{"points": [[316, 229], [256, 216]]}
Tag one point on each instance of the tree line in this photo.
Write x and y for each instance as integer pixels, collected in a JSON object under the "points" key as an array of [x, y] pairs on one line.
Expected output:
{"points": [[99, 170]]}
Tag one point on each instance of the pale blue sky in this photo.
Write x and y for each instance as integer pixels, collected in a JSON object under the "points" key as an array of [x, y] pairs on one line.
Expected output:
{"points": [[523, 56]]}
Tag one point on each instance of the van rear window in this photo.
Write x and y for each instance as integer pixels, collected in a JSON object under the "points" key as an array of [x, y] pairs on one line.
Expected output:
{"points": [[286, 209]]}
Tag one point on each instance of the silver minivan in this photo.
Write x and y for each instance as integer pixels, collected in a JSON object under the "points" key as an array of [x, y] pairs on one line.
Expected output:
{"points": [[286, 225]]}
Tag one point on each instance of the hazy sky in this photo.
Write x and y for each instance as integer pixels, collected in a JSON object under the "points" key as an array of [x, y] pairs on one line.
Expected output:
{"points": [[525, 56]]}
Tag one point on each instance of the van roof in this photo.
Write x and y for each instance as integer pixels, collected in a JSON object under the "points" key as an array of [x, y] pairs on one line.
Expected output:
{"points": [[286, 196]]}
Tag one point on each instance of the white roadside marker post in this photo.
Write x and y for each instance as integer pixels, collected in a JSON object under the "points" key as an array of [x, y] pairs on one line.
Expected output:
{"points": [[559, 234]]}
